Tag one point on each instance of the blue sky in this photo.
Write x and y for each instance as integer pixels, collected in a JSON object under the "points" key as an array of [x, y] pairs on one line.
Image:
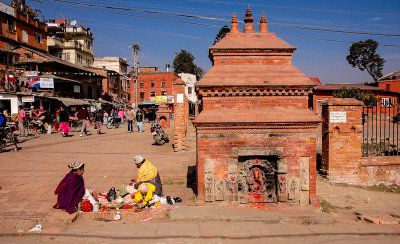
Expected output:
{"points": [[161, 40]]}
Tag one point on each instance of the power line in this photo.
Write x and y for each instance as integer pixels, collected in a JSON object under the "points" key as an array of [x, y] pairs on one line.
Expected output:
{"points": [[307, 9], [301, 37], [218, 19]]}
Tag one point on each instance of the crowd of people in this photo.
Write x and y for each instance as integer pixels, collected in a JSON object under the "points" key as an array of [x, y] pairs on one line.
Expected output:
{"points": [[63, 117]]}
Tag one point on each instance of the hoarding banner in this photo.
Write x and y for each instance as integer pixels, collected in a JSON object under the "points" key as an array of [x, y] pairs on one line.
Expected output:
{"points": [[28, 99], [77, 89], [47, 83], [31, 73]]}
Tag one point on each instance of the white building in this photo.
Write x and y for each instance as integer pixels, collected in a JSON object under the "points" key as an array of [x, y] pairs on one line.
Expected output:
{"points": [[190, 91]]}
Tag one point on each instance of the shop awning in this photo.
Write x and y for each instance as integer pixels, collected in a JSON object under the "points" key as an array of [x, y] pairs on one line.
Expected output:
{"points": [[71, 101]]}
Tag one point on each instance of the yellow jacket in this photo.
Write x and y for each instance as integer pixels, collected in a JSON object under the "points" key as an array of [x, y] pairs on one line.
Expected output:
{"points": [[149, 196], [147, 172]]}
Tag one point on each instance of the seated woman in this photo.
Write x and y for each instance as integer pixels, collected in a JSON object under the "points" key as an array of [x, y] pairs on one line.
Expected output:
{"points": [[144, 195], [147, 174], [71, 189]]}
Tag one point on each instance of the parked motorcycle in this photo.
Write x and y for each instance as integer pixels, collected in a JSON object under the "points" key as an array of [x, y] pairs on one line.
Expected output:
{"points": [[8, 135], [159, 136]]}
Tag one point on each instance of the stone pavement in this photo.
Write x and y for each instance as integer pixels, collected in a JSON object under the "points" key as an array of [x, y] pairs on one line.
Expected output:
{"points": [[29, 177]]}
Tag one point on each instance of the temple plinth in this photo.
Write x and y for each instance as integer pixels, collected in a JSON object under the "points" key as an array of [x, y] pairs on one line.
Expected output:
{"points": [[255, 135]]}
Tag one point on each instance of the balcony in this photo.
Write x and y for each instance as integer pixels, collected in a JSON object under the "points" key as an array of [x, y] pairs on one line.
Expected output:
{"points": [[77, 45], [54, 42]]}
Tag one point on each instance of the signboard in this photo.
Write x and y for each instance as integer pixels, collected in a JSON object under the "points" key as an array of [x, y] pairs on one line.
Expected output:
{"points": [[337, 117], [31, 73], [77, 89], [28, 99], [47, 83], [161, 99], [179, 98]]}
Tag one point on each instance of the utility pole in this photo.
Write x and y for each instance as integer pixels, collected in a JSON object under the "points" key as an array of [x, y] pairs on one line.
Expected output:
{"points": [[135, 49]]}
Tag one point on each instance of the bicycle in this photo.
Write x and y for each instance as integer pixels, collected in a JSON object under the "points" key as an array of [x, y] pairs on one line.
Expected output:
{"points": [[113, 122]]}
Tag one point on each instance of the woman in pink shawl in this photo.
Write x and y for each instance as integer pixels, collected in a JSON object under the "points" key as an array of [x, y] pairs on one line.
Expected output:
{"points": [[64, 123], [71, 189]]}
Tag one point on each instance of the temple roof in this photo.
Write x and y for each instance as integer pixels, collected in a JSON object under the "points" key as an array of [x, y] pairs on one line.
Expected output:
{"points": [[254, 75], [252, 41], [274, 115]]}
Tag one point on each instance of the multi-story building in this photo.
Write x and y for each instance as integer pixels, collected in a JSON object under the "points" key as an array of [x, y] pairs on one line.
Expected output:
{"points": [[18, 27], [117, 82], [154, 87], [70, 43], [390, 82]]}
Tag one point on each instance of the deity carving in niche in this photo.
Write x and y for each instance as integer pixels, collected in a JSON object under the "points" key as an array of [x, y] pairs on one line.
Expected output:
{"points": [[256, 180]]}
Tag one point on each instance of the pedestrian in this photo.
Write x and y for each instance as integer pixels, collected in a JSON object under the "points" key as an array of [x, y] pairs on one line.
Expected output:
{"points": [[21, 120], [57, 120], [139, 119], [130, 117], [105, 117], [121, 115], [98, 117], [64, 122], [83, 116]]}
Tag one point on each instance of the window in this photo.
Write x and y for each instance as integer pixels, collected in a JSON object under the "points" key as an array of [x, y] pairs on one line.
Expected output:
{"points": [[88, 44], [163, 93], [38, 37], [141, 97], [65, 56], [189, 90], [387, 87], [141, 85], [163, 84], [78, 58], [88, 62], [386, 101], [25, 36], [152, 84], [11, 25], [152, 94]]}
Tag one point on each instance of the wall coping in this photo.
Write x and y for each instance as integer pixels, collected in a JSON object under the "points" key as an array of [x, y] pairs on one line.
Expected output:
{"points": [[342, 102], [380, 161]]}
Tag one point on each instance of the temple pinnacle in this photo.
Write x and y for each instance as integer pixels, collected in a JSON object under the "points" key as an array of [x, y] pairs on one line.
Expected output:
{"points": [[248, 27], [263, 24], [234, 24]]}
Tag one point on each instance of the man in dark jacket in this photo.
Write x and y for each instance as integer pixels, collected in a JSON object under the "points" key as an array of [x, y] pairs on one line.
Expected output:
{"points": [[83, 116], [139, 119]]}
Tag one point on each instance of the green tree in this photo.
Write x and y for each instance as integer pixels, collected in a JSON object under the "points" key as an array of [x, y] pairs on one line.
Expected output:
{"points": [[183, 63], [221, 34], [367, 98], [362, 55]]}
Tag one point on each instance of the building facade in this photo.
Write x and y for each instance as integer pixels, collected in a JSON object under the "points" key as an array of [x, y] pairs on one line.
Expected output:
{"points": [[117, 83], [390, 82], [70, 43]]}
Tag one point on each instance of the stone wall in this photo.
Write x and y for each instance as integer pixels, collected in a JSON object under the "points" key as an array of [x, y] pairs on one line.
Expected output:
{"points": [[220, 155], [342, 160]]}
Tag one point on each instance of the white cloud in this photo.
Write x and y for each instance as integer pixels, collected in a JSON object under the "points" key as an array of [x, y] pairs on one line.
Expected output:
{"points": [[376, 18]]}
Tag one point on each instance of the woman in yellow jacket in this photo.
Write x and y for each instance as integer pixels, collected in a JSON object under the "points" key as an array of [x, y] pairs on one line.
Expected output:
{"points": [[144, 195]]}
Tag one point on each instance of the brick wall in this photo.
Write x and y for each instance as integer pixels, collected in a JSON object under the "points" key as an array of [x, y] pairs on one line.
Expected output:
{"points": [[180, 116], [341, 148]]}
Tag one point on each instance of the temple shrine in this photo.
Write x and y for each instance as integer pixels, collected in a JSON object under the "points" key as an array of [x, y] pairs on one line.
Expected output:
{"points": [[256, 137]]}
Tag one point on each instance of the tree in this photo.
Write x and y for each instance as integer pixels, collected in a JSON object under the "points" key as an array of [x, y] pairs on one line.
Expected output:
{"points": [[221, 34], [362, 55], [368, 98], [183, 63]]}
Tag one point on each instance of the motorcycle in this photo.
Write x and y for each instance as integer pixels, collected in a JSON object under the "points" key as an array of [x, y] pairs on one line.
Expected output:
{"points": [[113, 122], [160, 138], [8, 135]]}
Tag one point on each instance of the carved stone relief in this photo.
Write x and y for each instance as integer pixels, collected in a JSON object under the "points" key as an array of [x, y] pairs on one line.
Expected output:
{"points": [[220, 190], [282, 192], [294, 188], [305, 173]]}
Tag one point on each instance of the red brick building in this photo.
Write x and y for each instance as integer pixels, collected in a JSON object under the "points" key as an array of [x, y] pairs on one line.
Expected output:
{"points": [[256, 137], [18, 27], [154, 87], [390, 82], [323, 92]]}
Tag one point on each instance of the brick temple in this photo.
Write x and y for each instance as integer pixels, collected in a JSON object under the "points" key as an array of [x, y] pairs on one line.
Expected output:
{"points": [[255, 135]]}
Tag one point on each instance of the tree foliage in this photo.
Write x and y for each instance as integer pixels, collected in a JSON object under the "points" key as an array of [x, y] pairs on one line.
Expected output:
{"points": [[362, 55], [221, 34], [368, 98], [183, 63]]}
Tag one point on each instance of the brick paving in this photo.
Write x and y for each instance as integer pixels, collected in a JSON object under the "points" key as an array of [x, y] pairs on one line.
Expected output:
{"points": [[29, 177]]}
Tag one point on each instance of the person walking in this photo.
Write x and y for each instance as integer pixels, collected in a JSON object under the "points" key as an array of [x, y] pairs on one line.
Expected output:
{"points": [[83, 116], [130, 117], [139, 119], [64, 122], [21, 120], [99, 120]]}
